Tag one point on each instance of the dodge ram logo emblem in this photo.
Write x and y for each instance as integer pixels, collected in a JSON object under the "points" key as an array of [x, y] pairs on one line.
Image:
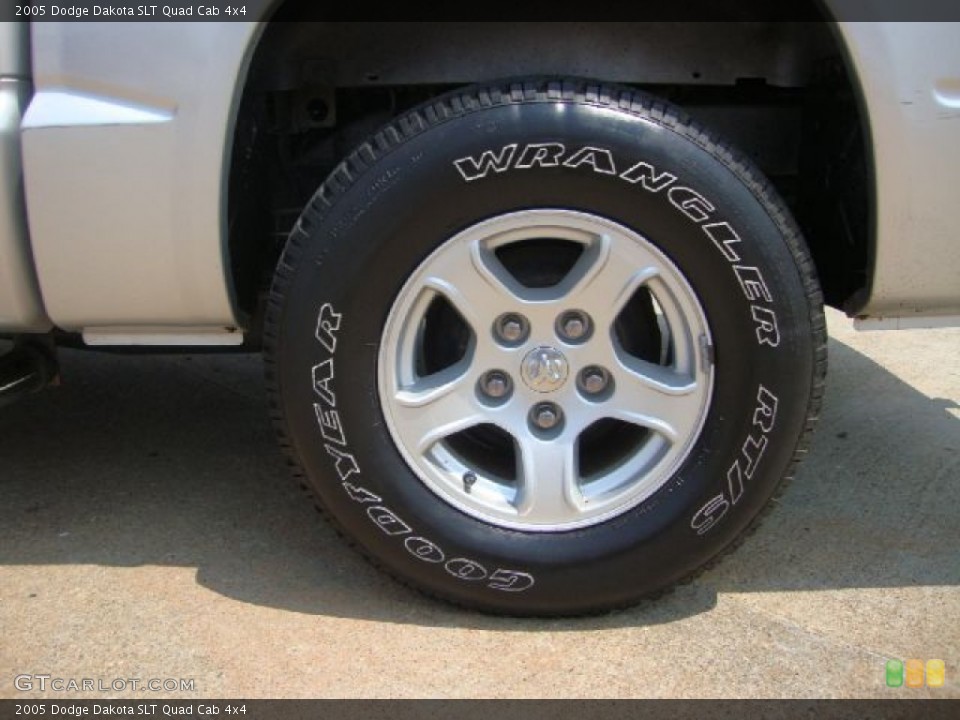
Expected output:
{"points": [[544, 369]]}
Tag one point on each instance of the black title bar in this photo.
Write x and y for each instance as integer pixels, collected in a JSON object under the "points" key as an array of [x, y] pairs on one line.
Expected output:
{"points": [[318, 10]]}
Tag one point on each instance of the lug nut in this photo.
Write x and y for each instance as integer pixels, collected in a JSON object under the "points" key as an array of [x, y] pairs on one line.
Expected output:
{"points": [[594, 380], [546, 416], [495, 384], [574, 328], [573, 325], [511, 328]]}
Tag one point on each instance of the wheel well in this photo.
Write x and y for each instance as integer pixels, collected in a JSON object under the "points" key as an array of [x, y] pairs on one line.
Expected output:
{"points": [[779, 91]]}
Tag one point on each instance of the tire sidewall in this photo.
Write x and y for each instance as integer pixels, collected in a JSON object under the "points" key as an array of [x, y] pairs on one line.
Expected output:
{"points": [[362, 241]]}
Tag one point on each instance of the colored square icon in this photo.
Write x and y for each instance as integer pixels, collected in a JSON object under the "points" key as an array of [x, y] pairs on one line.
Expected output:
{"points": [[936, 673], [894, 673], [914, 673]]}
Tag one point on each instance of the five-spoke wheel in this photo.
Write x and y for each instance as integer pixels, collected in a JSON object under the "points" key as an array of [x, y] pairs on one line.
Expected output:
{"points": [[545, 400]]}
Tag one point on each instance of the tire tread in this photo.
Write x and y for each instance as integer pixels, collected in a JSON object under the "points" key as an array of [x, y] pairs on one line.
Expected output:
{"points": [[478, 98]]}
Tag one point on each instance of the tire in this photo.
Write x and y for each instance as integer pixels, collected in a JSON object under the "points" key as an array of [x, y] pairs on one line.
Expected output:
{"points": [[648, 308]]}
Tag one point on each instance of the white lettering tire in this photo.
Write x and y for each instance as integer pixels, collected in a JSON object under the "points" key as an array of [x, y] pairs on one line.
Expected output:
{"points": [[545, 347]]}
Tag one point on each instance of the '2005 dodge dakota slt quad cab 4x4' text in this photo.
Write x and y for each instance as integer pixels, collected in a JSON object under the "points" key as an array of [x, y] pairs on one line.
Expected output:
{"points": [[541, 304]]}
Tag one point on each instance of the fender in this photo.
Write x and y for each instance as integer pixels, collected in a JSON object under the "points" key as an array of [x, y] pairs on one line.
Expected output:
{"points": [[125, 166], [911, 99]]}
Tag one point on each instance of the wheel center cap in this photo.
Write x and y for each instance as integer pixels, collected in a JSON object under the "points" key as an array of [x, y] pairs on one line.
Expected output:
{"points": [[544, 369]]}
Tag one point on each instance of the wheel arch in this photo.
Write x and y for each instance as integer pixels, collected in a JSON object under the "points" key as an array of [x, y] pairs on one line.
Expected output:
{"points": [[300, 73]]}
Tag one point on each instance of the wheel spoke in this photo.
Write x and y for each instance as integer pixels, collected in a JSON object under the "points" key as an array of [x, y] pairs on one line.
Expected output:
{"points": [[543, 368], [656, 397], [602, 281], [475, 283], [548, 490], [437, 406]]}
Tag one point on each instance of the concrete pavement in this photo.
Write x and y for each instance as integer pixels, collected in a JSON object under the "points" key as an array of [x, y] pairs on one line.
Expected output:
{"points": [[149, 529]]}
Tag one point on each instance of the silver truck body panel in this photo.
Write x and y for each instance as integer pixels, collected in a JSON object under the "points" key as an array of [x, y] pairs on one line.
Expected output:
{"points": [[160, 336], [14, 49], [21, 308], [909, 74], [910, 322], [53, 108], [126, 146]]}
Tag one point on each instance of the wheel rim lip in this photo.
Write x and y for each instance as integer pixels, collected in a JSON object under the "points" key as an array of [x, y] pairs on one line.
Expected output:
{"points": [[503, 229]]}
